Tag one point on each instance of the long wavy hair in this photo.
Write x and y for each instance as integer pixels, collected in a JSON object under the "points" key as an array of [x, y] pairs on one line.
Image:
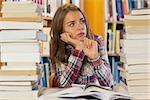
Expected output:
{"points": [[57, 46]]}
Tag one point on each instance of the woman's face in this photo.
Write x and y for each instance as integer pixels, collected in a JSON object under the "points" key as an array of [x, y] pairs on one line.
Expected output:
{"points": [[74, 24]]}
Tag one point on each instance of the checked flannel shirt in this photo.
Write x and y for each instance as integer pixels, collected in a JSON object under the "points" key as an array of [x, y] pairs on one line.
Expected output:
{"points": [[77, 72]]}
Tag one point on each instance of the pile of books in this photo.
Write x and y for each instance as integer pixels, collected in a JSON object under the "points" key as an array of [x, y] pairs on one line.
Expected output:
{"points": [[136, 53], [20, 50]]}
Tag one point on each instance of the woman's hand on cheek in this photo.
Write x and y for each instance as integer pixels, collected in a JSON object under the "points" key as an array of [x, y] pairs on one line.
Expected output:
{"points": [[66, 37], [90, 48]]}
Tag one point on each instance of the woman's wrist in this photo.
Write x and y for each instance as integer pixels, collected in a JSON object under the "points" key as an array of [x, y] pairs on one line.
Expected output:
{"points": [[93, 57], [79, 47]]}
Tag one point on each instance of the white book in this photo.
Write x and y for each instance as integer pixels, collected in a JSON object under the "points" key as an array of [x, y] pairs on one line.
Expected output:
{"points": [[140, 82], [137, 35], [19, 14], [139, 89], [138, 68], [140, 29], [140, 17], [22, 35], [138, 76], [18, 77], [24, 7], [140, 96], [19, 68], [20, 64], [22, 2], [15, 88], [15, 95], [93, 91], [140, 11], [135, 59], [20, 47], [25, 83], [20, 25], [18, 72], [20, 57]]}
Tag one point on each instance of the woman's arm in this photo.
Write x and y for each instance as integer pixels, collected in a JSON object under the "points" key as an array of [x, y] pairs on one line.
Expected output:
{"points": [[101, 65], [68, 73]]}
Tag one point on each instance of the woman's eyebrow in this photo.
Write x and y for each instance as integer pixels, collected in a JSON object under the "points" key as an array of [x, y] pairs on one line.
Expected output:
{"points": [[81, 18], [70, 22]]}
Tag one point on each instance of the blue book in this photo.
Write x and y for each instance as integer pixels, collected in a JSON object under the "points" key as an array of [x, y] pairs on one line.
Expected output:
{"points": [[119, 6]]}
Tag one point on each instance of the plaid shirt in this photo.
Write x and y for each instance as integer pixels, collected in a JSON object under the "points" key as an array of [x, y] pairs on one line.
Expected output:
{"points": [[78, 72]]}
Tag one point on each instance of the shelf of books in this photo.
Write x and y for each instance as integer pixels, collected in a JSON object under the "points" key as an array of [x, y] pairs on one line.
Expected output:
{"points": [[128, 45]]}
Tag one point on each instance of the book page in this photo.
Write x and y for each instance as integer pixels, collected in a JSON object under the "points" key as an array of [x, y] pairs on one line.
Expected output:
{"points": [[66, 91]]}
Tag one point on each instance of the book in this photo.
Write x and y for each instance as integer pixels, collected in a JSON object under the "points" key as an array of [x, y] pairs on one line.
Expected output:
{"points": [[140, 17], [140, 82], [17, 67], [138, 68], [18, 72], [15, 88], [16, 2], [15, 95], [91, 91], [142, 11], [18, 78], [135, 59], [17, 83], [22, 35], [138, 76], [142, 46], [4, 64], [20, 25], [140, 96], [20, 57], [24, 7], [137, 35], [139, 89], [19, 14], [22, 19], [20, 47]]}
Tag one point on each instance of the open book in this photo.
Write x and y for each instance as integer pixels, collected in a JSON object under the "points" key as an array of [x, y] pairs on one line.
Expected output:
{"points": [[90, 91]]}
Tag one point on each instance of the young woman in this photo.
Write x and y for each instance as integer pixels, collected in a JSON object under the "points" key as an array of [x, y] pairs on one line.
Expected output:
{"points": [[77, 56]]}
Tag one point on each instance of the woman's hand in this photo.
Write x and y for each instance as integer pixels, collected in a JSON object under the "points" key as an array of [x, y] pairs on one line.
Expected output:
{"points": [[90, 48], [66, 37]]}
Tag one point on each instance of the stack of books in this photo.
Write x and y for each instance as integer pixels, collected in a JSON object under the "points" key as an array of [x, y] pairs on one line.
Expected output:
{"points": [[20, 51], [136, 53], [23, 10]]}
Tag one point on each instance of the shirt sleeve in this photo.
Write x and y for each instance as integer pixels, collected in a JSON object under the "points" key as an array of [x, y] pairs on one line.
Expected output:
{"points": [[101, 65], [68, 73]]}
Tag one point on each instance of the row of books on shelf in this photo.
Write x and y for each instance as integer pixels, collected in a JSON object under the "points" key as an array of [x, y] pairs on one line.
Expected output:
{"points": [[116, 9]]}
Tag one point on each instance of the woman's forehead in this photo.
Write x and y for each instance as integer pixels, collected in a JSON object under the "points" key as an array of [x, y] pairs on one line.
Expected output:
{"points": [[73, 15]]}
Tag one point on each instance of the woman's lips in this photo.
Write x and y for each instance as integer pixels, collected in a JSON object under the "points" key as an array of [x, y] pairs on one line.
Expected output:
{"points": [[81, 34]]}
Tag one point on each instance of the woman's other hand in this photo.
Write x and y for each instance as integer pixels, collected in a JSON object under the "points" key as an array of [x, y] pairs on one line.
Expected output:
{"points": [[90, 48]]}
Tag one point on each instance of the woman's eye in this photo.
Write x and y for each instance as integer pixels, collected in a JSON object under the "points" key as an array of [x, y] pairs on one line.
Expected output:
{"points": [[82, 21], [71, 24]]}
